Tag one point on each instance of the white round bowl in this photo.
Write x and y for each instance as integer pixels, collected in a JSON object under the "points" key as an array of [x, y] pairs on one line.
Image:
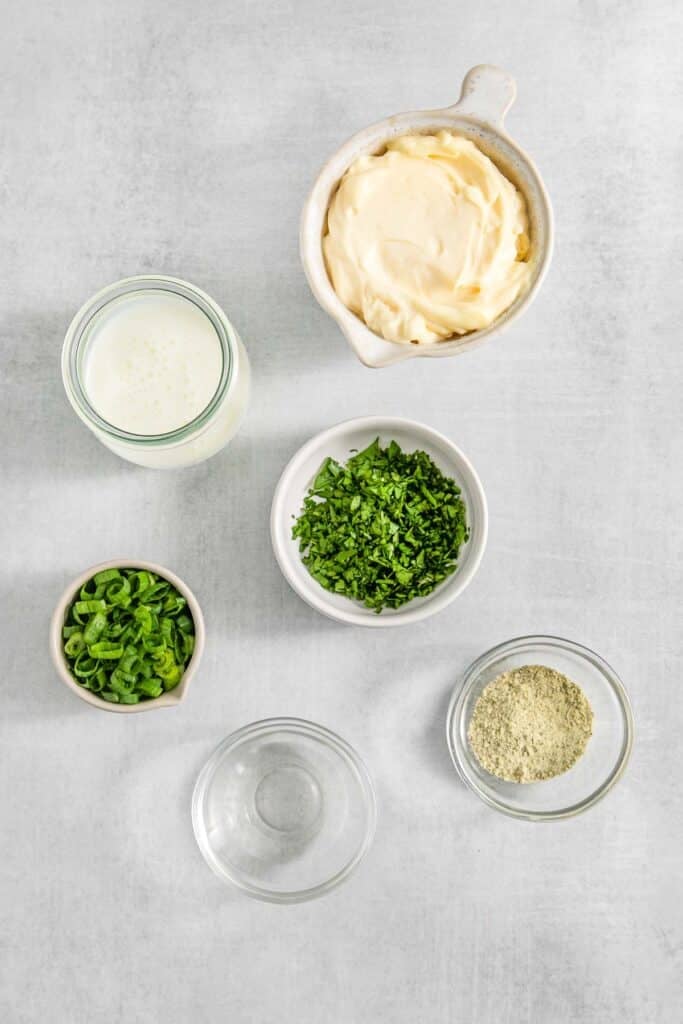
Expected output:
{"points": [[487, 95], [166, 700], [339, 442]]}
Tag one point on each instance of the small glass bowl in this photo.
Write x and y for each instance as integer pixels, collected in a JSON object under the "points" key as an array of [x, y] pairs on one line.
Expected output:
{"points": [[595, 772], [284, 810]]}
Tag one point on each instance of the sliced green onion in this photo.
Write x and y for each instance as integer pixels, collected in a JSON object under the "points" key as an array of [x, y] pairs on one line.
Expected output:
{"points": [[140, 581], [172, 677], [106, 650], [106, 576], [75, 645], [121, 684], [95, 628], [151, 687], [85, 666], [152, 593], [128, 637], [90, 607], [174, 603], [145, 618], [90, 591], [99, 680]]}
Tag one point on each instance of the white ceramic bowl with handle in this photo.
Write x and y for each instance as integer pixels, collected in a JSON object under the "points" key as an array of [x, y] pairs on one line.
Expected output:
{"points": [[340, 442], [166, 700], [487, 94]]}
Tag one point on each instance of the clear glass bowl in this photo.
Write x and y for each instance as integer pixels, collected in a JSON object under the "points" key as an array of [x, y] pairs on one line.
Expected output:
{"points": [[608, 749], [284, 809]]}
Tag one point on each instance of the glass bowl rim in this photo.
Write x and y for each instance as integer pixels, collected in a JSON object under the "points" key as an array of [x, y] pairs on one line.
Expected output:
{"points": [[307, 728], [462, 690]]}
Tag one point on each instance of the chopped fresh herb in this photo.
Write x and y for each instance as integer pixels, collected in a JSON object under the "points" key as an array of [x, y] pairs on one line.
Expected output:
{"points": [[382, 529], [128, 636]]}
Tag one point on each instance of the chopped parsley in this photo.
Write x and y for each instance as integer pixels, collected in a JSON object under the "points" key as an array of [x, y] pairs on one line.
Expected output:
{"points": [[382, 529]]}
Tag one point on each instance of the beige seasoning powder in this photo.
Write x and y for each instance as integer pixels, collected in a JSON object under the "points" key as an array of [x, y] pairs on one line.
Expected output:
{"points": [[530, 724]]}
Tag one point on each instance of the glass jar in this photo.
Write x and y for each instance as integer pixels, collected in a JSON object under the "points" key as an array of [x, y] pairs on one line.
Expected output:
{"points": [[191, 442]]}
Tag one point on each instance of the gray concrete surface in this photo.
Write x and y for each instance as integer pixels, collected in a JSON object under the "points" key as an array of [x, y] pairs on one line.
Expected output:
{"points": [[182, 138]]}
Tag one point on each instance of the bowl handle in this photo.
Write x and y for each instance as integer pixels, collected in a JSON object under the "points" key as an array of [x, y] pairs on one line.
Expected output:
{"points": [[487, 94], [372, 350]]}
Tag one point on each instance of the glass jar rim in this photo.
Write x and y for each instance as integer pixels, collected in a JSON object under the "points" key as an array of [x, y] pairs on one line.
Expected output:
{"points": [[129, 286]]}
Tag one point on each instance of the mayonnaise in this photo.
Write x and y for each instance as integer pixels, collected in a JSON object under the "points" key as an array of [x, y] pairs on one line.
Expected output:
{"points": [[427, 240]]}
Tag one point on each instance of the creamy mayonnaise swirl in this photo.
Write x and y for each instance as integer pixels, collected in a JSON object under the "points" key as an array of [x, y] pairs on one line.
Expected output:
{"points": [[427, 240]]}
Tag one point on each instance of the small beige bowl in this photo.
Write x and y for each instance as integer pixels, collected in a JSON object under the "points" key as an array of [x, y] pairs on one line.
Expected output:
{"points": [[487, 95], [167, 700]]}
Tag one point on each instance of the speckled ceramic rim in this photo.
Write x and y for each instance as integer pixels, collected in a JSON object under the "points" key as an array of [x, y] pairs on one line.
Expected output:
{"points": [[456, 710], [167, 700], [330, 739], [313, 594], [487, 94]]}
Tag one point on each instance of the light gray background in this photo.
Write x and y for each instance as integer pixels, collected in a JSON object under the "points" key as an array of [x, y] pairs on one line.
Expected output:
{"points": [[181, 138]]}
